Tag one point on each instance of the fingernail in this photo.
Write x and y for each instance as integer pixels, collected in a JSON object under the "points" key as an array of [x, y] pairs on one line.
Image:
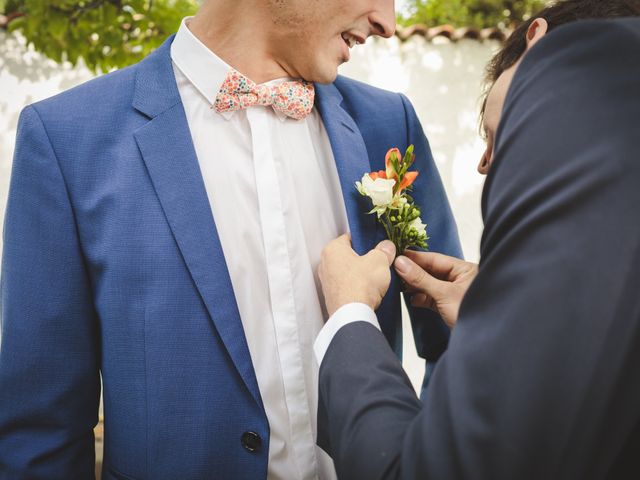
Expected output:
{"points": [[418, 298], [388, 247], [402, 264]]}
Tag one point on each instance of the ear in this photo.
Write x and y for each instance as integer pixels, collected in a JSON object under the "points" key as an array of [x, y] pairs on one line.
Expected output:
{"points": [[536, 31]]}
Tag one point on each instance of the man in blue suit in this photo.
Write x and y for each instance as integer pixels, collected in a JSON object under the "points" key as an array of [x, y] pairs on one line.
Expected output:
{"points": [[541, 379], [162, 233]]}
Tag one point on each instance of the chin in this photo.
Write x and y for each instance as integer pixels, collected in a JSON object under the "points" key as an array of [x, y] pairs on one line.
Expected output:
{"points": [[326, 80], [323, 75]]}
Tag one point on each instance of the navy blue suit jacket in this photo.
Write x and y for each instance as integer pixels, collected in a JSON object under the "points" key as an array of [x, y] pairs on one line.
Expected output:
{"points": [[541, 378], [112, 267]]}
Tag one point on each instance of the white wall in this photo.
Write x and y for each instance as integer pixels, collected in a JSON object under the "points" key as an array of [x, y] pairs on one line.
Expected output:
{"points": [[441, 78]]}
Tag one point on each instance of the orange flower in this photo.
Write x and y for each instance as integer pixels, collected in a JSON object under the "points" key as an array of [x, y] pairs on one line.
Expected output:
{"points": [[391, 172], [378, 174], [408, 180]]}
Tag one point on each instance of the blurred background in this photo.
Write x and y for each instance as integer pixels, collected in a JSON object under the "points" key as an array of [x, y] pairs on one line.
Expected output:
{"points": [[437, 59]]}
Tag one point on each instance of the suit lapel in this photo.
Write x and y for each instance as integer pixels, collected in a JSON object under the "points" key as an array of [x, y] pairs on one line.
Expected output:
{"points": [[168, 152], [352, 161]]}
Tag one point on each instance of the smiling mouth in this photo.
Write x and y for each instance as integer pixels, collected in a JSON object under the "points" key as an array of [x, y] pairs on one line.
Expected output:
{"points": [[352, 40]]}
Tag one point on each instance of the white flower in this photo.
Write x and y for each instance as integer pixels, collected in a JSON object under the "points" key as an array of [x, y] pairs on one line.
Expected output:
{"points": [[380, 190], [399, 201], [418, 226]]}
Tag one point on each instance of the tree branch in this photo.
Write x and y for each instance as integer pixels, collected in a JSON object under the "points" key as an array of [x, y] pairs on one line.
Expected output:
{"points": [[5, 20], [77, 11]]}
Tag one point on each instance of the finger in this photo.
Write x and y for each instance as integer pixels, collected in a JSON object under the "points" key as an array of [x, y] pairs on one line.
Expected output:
{"points": [[423, 301], [389, 249], [418, 279], [344, 239], [378, 257], [437, 264], [338, 248], [343, 243]]}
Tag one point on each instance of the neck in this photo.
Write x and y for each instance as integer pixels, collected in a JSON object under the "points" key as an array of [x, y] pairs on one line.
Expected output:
{"points": [[235, 32]]}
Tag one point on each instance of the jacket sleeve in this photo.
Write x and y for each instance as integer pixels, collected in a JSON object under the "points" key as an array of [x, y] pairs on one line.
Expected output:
{"points": [[540, 379], [49, 344], [431, 334]]}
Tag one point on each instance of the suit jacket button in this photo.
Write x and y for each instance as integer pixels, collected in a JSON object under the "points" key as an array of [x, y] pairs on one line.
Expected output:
{"points": [[251, 441]]}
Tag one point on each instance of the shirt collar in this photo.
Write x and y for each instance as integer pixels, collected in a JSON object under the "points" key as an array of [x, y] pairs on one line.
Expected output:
{"points": [[203, 68]]}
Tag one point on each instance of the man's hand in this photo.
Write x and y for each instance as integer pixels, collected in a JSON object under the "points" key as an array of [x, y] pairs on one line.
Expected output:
{"points": [[347, 277], [439, 281]]}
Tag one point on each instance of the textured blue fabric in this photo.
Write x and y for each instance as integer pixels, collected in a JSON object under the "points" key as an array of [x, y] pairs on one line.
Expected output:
{"points": [[112, 265]]}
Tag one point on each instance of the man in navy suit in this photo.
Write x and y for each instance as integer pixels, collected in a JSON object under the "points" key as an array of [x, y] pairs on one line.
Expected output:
{"points": [[162, 234], [540, 379]]}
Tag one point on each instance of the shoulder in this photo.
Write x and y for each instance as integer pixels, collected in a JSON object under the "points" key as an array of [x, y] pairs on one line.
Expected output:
{"points": [[590, 59], [359, 91], [363, 100], [111, 92], [593, 41], [568, 115], [604, 29]]}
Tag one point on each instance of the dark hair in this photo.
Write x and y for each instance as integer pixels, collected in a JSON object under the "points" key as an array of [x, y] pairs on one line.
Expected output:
{"points": [[557, 14]]}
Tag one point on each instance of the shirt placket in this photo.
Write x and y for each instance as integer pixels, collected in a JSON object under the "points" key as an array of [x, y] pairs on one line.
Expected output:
{"points": [[280, 278]]}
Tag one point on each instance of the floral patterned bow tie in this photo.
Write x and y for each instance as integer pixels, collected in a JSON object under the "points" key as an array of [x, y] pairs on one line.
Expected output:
{"points": [[292, 98]]}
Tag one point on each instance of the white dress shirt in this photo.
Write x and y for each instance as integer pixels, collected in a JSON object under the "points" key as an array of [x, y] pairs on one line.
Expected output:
{"points": [[275, 195]]}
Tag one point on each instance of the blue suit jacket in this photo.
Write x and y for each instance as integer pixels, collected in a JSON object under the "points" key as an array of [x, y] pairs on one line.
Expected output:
{"points": [[112, 265]]}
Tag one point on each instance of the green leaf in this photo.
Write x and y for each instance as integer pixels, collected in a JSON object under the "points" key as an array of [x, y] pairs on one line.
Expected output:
{"points": [[470, 13], [106, 33], [17, 24]]}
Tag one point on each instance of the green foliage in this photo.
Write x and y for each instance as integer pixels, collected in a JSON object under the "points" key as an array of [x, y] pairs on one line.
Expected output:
{"points": [[107, 34], [471, 13]]}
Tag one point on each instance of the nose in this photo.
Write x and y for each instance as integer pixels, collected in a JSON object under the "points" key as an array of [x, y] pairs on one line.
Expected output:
{"points": [[383, 19], [485, 163]]}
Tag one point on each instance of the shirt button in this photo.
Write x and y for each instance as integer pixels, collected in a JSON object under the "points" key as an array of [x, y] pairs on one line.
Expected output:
{"points": [[251, 441]]}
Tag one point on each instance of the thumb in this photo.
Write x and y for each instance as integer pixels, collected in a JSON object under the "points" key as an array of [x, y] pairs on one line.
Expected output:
{"points": [[389, 249], [418, 279]]}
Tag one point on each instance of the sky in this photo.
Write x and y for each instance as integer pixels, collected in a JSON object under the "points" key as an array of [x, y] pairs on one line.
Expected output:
{"points": [[401, 5]]}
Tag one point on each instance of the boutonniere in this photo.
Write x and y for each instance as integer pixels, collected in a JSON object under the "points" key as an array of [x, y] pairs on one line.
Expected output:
{"points": [[388, 190]]}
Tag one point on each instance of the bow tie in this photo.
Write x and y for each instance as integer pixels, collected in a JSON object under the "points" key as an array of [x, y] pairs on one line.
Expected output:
{"points": [[292, 98]]}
